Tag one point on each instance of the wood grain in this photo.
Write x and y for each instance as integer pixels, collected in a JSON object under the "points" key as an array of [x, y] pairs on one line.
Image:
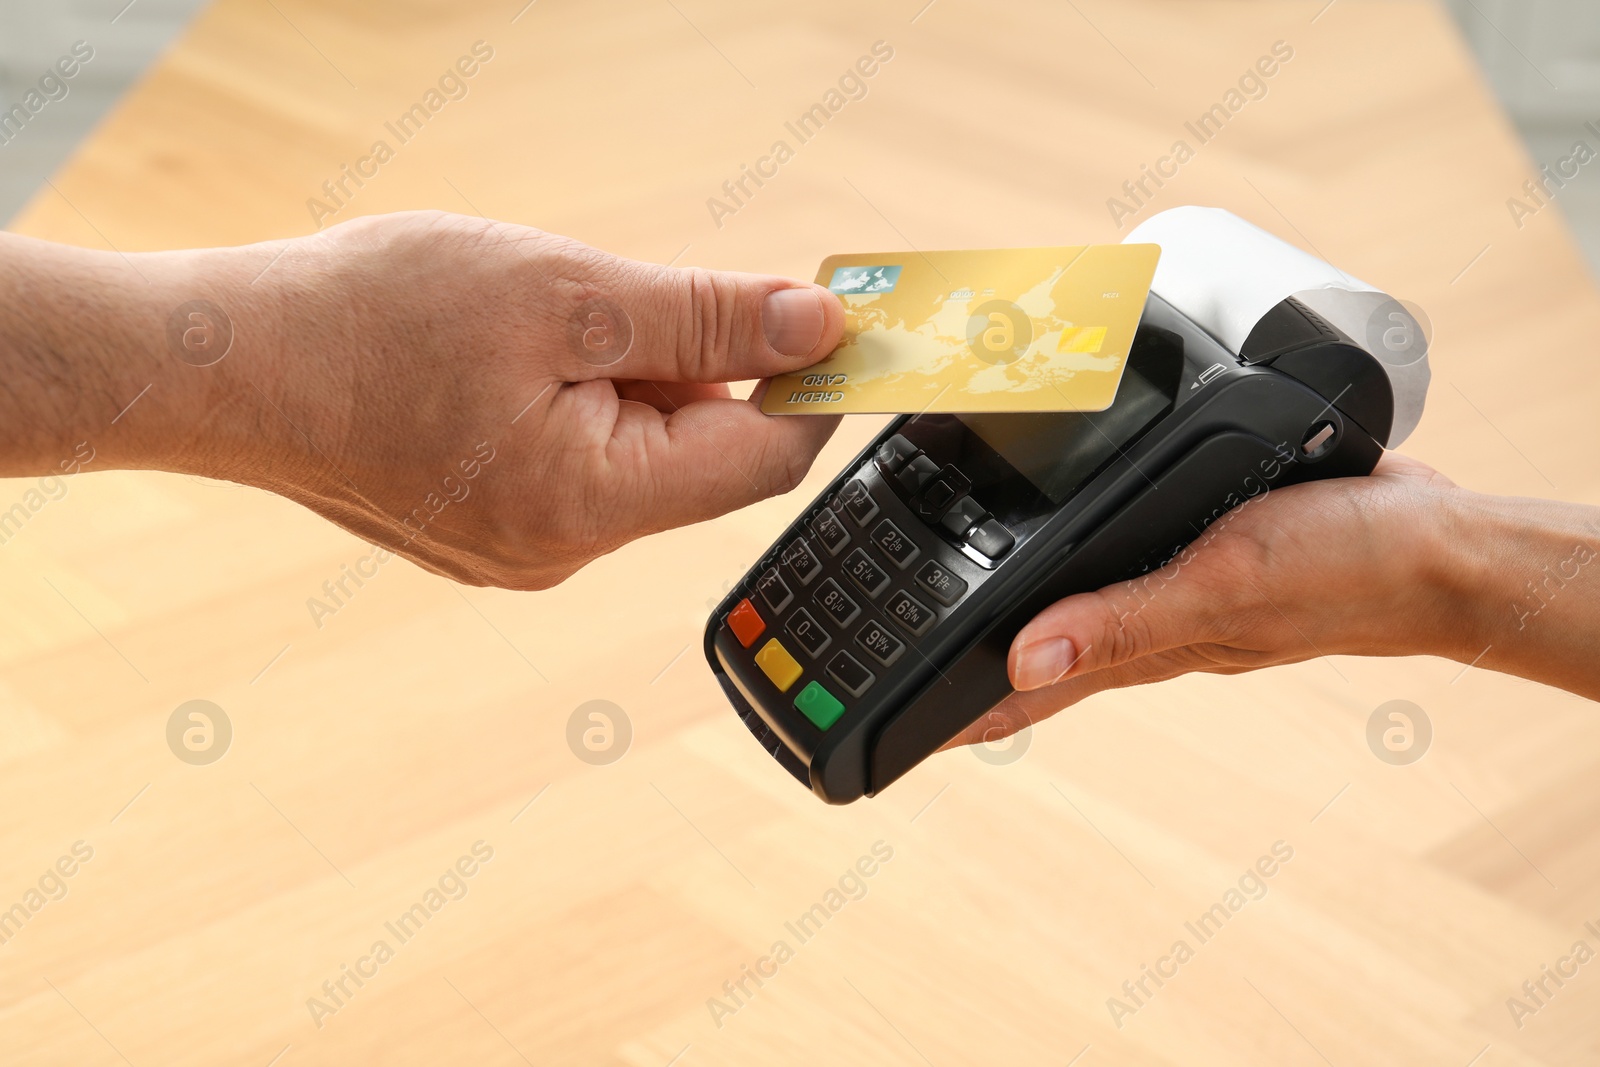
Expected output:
{"points": [[371, 753]]}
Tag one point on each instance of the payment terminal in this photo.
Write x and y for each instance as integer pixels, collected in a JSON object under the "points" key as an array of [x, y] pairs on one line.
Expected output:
{"points": [[876, 627]]}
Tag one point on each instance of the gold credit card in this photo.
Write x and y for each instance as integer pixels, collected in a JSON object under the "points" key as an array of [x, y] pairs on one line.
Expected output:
{"points": [[1006, 329]]}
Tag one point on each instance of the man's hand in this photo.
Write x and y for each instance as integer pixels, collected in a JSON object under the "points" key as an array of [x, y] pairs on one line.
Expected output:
{"points": [[498, 404], [1399, 563], [503, 405]]}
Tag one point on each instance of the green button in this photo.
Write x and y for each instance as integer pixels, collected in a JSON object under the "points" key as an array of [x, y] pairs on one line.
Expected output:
{"points": [[819, 705]]}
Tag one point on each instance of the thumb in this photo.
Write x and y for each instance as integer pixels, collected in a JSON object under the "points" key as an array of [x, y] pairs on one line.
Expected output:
{"points": [[688, 324], [1168, 608]]}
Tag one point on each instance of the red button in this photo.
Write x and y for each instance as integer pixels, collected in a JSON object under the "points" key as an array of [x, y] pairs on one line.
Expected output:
{"points": [[746, 623]]}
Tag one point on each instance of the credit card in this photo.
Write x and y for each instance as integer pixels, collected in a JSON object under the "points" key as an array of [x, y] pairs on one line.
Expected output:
{"points": [[1006, 329]]}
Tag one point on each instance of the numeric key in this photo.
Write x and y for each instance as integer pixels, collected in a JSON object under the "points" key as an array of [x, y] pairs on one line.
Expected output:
{"points": [[801, 560], [858, 501], [830, 531], [810, 633], [941, 584], [910, 612], [833, 600], [882, 645], [896, 544], [865, 572]]}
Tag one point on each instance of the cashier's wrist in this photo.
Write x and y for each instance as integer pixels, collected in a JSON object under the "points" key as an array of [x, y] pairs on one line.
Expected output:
{"points": [[1389, 571], [1522, 581], [1403, 563]]}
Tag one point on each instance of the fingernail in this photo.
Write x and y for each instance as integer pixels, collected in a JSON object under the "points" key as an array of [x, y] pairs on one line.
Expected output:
{"points": [[1043, 662], [792, 320]]}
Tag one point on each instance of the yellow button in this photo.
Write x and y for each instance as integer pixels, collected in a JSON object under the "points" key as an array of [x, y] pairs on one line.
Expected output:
{"points": [[778, 665]]}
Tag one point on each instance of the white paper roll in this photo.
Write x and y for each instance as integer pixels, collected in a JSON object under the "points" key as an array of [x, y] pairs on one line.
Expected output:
{"points": [[1225, 274]]}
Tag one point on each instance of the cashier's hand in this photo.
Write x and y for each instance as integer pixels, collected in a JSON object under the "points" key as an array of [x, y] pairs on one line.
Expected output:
{"points": [[503, 405], [1325, 568]]}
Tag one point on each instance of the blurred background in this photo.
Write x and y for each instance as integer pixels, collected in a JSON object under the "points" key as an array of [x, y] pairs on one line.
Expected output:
{"points": [[366, 756], [1542, 58], [32, 36]]}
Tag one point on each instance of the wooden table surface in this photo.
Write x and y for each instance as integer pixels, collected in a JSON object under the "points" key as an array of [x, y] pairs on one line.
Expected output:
{"points": [[371, 754]]}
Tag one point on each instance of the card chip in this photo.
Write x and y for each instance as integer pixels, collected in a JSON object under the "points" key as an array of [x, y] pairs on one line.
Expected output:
{"points": [[1082, 339]]}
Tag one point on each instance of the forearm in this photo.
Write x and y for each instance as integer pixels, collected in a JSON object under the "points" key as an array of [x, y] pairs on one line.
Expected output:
{"points": [[1524, 580], [368, 370], [104, 358]]}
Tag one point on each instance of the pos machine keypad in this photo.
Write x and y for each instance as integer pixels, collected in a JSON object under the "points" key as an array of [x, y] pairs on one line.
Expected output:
{"points": [[859, 582]]}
